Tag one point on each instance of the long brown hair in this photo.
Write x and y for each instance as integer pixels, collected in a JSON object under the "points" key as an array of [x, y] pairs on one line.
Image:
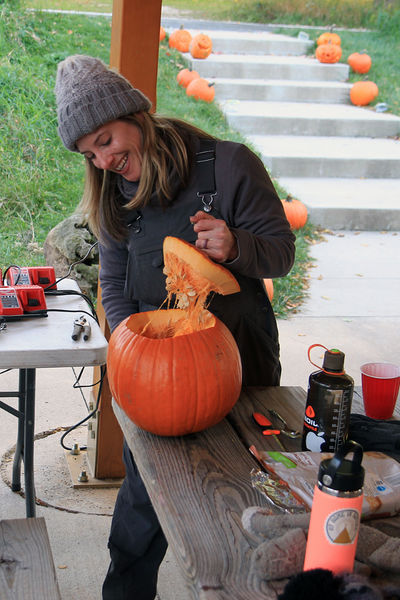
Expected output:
{"points": [[164, 147]]}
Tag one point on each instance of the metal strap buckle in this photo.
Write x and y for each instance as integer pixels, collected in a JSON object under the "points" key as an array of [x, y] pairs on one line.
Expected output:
{"points": [[207, 205]]}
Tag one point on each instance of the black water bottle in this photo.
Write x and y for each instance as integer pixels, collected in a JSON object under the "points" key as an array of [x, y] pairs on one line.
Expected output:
{"points": [[328, 407]]}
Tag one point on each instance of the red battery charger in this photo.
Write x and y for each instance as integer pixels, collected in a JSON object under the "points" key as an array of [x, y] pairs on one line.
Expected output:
{"points": [[18, 300], [42, 276]]}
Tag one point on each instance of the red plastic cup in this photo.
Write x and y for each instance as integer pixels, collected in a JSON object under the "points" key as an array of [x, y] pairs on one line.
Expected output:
{"points": [[380, 386]]}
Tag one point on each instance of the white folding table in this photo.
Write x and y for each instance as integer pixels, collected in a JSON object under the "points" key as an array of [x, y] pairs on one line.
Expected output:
{"points": [[40, 343]]}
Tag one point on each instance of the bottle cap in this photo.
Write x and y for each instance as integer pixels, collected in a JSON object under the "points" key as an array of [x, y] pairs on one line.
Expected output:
{"points": [[333, 361], [340, 474]]}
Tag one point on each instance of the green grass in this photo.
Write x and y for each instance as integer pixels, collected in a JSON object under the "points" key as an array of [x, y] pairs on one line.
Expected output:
{"points": [[40, 182]]}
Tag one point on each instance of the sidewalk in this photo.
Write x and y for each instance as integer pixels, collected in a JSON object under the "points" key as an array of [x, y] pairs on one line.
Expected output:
{"points": [[352, 305]]}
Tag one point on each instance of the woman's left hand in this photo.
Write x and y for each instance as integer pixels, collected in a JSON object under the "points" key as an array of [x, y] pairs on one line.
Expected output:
{"points": [[214, 237]]}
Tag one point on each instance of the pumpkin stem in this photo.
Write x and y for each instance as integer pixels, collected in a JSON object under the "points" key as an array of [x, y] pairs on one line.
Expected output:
{"points": [[289, 198], [331, 27], [211, 84]]}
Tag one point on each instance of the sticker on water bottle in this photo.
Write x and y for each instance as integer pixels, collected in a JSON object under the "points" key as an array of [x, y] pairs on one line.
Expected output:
{"points": [[341, 526]]}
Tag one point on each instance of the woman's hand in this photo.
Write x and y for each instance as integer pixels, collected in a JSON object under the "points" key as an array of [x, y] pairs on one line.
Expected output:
{"points": [[214, 237]]}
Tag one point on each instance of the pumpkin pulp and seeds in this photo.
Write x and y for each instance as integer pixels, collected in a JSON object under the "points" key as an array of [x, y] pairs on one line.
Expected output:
{"points": [[191, 277]]}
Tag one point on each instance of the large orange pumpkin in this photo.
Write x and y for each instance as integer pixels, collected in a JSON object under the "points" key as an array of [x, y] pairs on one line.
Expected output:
{"points": [[360, 62], [178, 371], [328, 53], [180, 40], [200, 46], [363, 92], [295, 211]]}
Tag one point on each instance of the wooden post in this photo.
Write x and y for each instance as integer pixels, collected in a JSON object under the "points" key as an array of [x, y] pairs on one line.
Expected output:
{"points": [[135, 39]]}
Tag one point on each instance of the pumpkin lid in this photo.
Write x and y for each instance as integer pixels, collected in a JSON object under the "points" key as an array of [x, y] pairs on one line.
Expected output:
{"points": [[206, 272]]}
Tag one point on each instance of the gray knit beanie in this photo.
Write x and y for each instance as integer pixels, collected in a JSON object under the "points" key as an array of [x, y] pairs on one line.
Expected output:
{"points": [[90, 94]]}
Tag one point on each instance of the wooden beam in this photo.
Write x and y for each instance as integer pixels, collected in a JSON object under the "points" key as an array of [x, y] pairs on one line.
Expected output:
{"points": [[135, 39], [135, 36]]}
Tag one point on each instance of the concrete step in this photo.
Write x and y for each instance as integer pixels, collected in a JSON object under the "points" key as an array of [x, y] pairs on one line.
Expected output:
{"points": [[301, 118], [254, 66], [278, 90], [315, 156], [348, 204], [261, 42]]}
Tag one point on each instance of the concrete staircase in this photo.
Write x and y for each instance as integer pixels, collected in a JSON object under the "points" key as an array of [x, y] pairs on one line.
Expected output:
{"points": [[342, 161]]}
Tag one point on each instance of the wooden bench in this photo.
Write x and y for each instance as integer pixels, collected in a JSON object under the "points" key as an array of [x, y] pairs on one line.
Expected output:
{"points": [[26, 563]]}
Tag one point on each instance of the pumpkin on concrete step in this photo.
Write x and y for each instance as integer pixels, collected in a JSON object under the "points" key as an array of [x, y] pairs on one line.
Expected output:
{"points": [[329, 38], [177, 371], [295, 211], [360, 62], [200, 46], [363, 92], [328, 53], [201, 89], [180, 40], [185, 76]]}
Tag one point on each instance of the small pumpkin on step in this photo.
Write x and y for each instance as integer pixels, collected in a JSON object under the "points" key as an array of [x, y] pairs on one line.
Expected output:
{"points": [[200, 46], [328, 53]]}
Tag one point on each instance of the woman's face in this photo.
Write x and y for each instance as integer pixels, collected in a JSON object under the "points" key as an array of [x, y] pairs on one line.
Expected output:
{"points": [[115, 146]]}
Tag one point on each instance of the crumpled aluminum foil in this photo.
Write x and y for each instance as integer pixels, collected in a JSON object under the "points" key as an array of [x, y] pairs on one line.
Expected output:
{"points": [[277, 492]]}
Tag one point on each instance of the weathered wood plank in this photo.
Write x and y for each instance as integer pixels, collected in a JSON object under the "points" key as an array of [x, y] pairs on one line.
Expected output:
{"points": [[26, 562], [200, 509]]}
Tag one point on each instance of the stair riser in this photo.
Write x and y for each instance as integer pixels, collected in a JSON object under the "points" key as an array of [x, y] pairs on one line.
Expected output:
{"points": [[355, 219], [281, 48], [326, 167], [319, 127], [240, 70], [276, 93]]}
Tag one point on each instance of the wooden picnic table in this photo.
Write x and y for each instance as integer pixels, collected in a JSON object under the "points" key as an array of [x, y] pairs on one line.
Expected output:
{"points": [[200, 484]]}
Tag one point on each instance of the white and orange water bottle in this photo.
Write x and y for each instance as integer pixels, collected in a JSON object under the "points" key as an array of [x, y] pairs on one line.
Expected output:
{"points": [[336, 511]]}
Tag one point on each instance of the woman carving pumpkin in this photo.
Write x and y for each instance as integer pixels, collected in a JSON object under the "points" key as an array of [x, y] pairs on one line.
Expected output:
{"points": [[147, 178]]}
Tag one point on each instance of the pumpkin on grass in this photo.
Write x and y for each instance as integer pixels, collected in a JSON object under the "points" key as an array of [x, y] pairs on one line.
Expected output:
{"points": [[178, 370], [162, 33], [185, 76], [363, 92], [360, 62], [295, 211], [180, 40], [200, 46], [200, 89], [269, 286]]}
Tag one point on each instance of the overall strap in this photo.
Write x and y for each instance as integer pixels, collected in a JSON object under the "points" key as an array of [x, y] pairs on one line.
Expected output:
{"points": [[205, 160]]}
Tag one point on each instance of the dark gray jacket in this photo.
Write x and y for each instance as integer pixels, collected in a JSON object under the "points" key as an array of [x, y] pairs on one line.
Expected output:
{"points": [[131, 271]]}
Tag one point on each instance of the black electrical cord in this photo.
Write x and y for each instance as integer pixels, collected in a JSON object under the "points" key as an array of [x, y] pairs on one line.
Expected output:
{"points": [[71, 267], [90, 415], [13, 267]]}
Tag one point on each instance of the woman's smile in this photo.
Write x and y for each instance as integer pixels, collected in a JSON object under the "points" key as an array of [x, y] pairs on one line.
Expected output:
{"points": [[115, 146]]}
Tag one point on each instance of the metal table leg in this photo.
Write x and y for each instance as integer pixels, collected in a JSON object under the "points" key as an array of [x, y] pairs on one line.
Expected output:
{"points": [[25, 440], [19, 448], [29, 443]]}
